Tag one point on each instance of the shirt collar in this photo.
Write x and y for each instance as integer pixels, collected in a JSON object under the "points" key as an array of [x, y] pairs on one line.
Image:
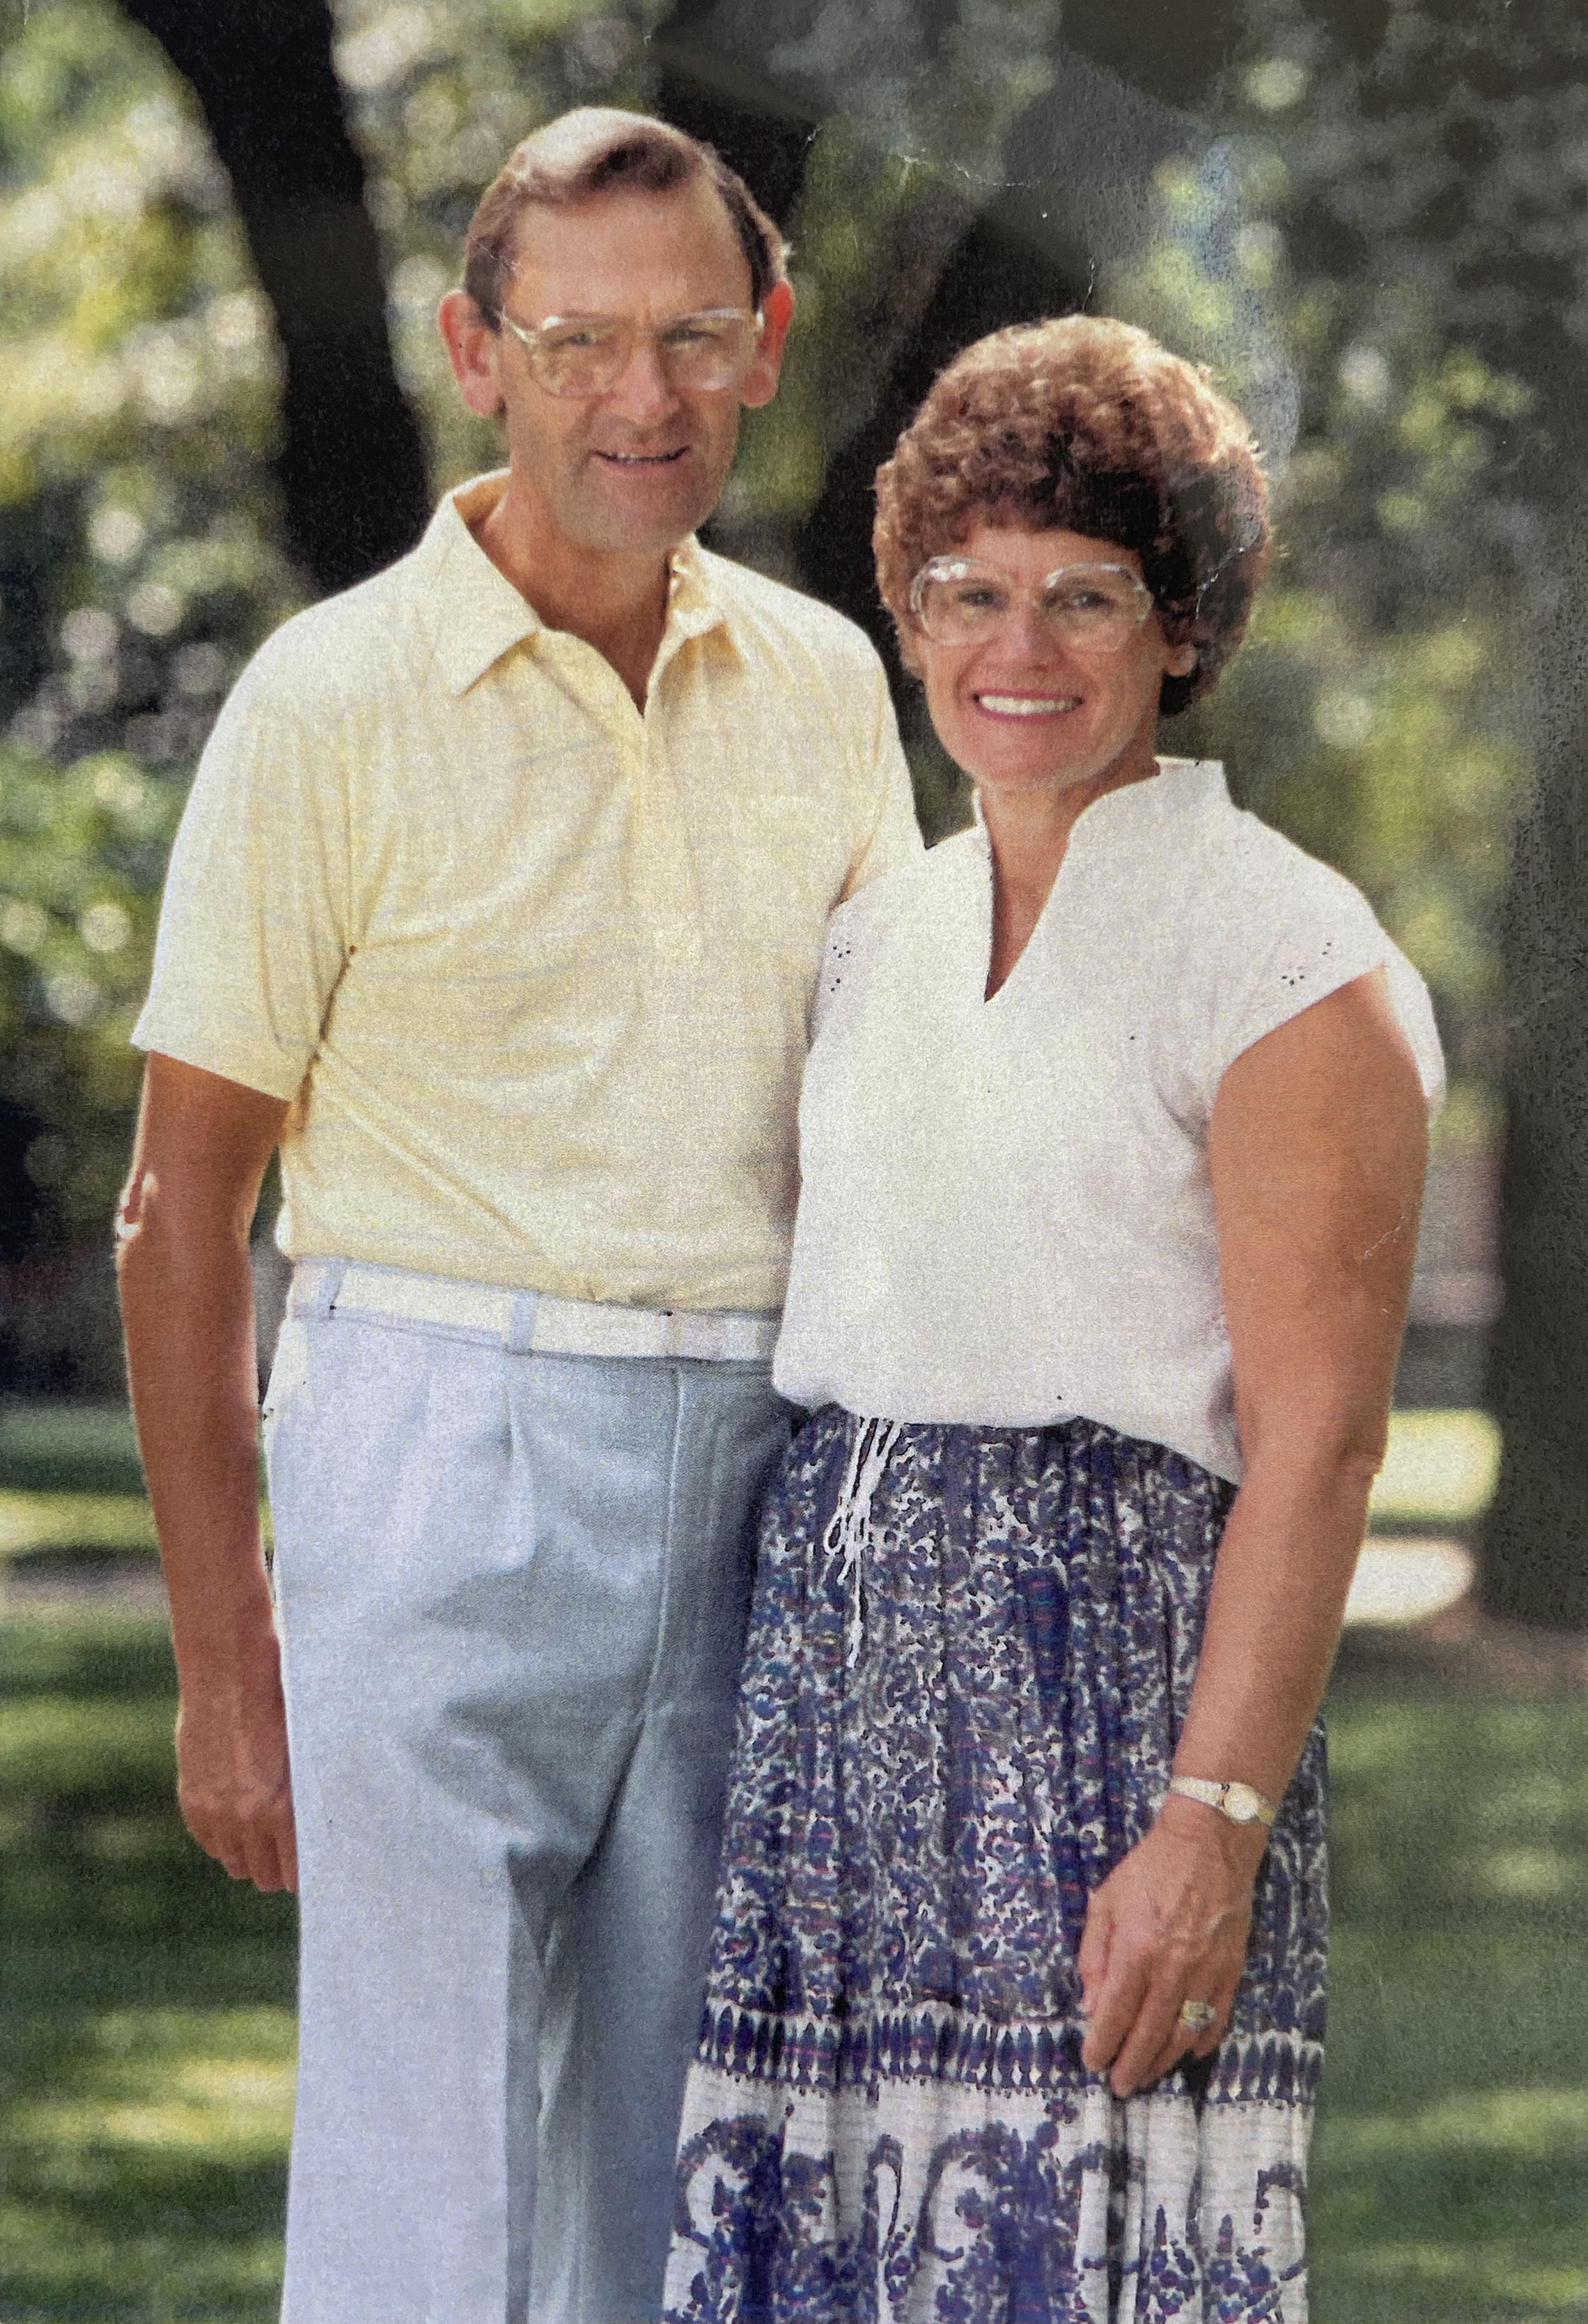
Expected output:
{"points": [[1182, 787], [479, 616], [695, 602]]}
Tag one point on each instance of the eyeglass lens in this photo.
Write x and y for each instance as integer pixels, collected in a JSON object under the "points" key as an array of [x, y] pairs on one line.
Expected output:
{"points": [[1097, 605], [587, 356]]}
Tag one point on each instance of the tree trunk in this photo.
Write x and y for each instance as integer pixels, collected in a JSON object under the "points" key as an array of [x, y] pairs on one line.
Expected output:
{"points": [[352, 461], [1533, 1566]]}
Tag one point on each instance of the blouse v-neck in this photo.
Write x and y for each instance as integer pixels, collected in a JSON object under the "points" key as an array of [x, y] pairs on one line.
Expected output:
{"points": [[1089, 817]]}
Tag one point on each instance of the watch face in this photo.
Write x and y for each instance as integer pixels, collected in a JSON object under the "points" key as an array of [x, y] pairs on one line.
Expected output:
{"points": [[1242, 1805]]}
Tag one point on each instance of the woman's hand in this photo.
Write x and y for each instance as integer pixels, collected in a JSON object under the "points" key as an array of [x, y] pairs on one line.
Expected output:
{"points": [[1169, 1925]]}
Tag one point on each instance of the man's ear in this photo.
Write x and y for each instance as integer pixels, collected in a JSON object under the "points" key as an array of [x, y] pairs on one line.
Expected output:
{"points": [[760, 383], [475, 350]]}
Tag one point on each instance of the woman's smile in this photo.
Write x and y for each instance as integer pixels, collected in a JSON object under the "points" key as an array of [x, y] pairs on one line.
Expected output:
{"points": [[1025, 709], [1026, 705]]}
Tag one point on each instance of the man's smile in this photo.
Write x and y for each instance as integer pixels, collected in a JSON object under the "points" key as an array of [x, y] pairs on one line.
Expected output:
{"points": [[643, 459]]}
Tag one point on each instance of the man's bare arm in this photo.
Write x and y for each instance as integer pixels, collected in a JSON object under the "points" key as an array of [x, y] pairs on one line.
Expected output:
{"points": [[202, 1146]]}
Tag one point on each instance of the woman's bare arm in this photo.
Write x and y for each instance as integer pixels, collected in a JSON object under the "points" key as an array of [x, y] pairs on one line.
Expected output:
{"points": [[187, 1292], [1316, 1149]]}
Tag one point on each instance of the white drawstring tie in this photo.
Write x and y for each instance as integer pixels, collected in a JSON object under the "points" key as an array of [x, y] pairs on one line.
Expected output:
{"points": [[849, 1529]]}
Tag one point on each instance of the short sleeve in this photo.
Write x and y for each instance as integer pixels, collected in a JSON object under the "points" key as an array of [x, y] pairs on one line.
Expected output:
{"points": [[893, 836], [253, 930], [1289, 931]]}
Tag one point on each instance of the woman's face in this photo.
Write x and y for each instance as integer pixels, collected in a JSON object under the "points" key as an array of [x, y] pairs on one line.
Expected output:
{"points": [[1025, 711]]}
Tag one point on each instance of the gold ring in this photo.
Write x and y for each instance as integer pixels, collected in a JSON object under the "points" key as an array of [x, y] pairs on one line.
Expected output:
{"points": [[1196, 2017]]}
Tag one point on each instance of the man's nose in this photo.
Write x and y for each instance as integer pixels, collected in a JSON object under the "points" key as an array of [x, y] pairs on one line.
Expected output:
{"points": [[643, 390]]}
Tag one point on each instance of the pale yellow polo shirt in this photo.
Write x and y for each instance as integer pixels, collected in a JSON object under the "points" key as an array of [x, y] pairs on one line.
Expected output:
{"points": [[534, 971]]}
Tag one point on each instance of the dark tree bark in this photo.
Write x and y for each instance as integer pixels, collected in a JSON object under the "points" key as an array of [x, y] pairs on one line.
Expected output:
{"points": [[1021, 255], [1024, 255], [352, 462], [1535, 1547]]}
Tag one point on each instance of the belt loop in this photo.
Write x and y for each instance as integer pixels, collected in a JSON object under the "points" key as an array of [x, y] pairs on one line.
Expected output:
{"points": [[315, 1284], [521, 1338]]}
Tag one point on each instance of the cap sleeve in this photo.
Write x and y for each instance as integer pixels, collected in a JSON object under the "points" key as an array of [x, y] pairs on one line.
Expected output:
{"points": [[1291, 931], [838, 967]]}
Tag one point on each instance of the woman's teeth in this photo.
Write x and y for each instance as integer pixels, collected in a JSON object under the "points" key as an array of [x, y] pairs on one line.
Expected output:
{"points": [[1028, 706]]}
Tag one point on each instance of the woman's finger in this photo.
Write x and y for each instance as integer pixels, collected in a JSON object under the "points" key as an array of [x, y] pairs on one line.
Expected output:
{"points": [[1185, 2041], [1222, 2001], [1091, 1959], [1155, 2040], [1116, 2007]]}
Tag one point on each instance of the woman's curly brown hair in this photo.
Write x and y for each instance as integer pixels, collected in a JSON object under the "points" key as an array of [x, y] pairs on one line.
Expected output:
{"points": [[1085, 425]]}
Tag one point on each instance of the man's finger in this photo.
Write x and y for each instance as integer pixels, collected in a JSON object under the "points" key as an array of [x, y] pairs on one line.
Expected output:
{"points": [[287, 1847], [264, 1865]]}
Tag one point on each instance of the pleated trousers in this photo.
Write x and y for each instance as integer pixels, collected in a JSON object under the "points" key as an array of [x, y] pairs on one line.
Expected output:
{"points": [[511, 1588]]}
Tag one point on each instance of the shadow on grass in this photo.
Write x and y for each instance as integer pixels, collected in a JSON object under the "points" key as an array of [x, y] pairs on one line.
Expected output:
{"points": [[148, 2044], [66, 1448]]}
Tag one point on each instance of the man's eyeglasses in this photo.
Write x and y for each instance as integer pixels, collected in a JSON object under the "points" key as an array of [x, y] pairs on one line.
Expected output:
{"points": [[1097, 608], [588, 354]]}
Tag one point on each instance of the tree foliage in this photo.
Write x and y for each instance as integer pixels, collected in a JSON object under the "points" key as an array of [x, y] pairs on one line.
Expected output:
{"points": [[1368, 216]]}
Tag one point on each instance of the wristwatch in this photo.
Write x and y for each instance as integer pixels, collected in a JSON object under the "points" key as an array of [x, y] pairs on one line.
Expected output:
{"points": [[1241, 1803]]}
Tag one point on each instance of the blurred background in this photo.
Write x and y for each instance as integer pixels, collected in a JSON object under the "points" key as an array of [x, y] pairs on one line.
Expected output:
{"points": [[223, 235]]}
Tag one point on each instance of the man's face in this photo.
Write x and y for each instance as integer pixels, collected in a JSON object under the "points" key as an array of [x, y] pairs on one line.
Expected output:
{"points": [[635, 469]]}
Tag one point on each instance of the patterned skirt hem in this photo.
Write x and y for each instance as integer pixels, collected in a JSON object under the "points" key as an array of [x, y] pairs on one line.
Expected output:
{"points": [[923, 2045], [934, 2205]]}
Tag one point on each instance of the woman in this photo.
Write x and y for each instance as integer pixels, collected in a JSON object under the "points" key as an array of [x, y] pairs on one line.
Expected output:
{"points": [[1112, 1138]]}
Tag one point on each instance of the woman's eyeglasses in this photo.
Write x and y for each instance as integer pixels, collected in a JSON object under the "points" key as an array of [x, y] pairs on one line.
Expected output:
{"points": [[588, 354], [959, 600]]}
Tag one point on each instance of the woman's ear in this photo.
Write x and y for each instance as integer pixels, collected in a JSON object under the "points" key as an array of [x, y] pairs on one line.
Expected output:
{"points": [[1180, 661]]}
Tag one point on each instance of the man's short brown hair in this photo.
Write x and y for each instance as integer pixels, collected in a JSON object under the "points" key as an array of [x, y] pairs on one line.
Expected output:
{"points": [[1085, 425], [597, 149]]}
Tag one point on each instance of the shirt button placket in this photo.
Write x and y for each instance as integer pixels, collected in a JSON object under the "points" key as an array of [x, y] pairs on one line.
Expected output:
{"points": [[666, 883]]}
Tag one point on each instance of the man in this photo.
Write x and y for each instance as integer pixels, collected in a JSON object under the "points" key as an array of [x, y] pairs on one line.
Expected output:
{"points": [[497, 907]]}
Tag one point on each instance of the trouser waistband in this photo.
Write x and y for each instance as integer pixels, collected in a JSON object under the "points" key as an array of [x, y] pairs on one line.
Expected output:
{"points": [[531, 1321]]}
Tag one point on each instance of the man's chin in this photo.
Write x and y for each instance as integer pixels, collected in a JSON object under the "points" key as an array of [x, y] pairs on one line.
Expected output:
{"points": [[638, 514]]}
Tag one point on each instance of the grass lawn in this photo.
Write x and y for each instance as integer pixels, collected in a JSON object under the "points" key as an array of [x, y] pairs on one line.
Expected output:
{"points": [[1450, 2170], [148, 2027], [147, 2024]]}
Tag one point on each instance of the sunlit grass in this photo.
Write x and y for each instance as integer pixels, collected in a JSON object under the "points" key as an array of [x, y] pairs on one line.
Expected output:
{"points": [[1440, 1469], [75, 1521], [217, 2082]]}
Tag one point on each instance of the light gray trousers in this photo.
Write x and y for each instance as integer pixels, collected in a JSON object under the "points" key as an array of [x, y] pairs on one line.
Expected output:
{"points": [[512, 1590]]}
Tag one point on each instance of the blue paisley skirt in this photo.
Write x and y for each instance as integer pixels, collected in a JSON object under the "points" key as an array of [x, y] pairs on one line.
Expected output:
{"points": [[969, 1658]]}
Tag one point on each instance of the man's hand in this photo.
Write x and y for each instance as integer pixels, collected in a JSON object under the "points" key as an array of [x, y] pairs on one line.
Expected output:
{"points": [[1169, 1925], [233, 1784]]}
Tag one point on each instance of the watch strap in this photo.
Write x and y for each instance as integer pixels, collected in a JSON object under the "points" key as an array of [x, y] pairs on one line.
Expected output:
{"points": [[1241, 1804]]}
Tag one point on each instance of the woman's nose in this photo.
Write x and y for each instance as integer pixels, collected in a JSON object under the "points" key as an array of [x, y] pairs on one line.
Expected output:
{"points": [[1029, 630]]}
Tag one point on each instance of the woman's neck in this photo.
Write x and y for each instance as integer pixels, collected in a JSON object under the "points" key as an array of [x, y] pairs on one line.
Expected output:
{"points": [[1028, 831]]}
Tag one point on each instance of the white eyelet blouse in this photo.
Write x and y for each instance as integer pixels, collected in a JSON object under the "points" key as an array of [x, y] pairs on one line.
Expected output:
{"points": [[1006, 1217]]}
